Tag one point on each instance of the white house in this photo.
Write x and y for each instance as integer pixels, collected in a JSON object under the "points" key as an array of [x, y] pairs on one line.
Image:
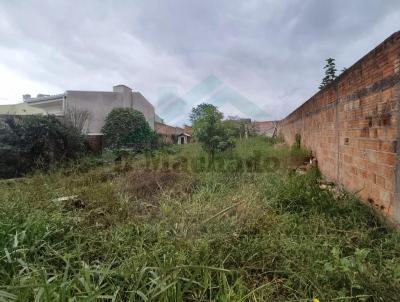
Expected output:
{"points": [[96, 105]]}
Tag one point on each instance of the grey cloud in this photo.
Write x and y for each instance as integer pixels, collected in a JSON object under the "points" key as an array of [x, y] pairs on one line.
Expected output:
{"points": [[270, 51]]}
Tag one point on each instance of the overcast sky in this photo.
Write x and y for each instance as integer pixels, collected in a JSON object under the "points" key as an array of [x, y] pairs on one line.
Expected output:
{"points": [[272, 52]]}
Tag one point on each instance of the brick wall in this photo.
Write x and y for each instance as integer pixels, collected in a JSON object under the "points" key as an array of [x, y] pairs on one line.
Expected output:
{"points": [[95, 142], [266, 128], [352, 127], [188, 130], [167, 132]]}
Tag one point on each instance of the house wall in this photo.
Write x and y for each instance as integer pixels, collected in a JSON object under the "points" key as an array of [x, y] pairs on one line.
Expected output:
{"points": [[100, 103], [136, 101], [140, 103], [97, 103], [352, 128]]}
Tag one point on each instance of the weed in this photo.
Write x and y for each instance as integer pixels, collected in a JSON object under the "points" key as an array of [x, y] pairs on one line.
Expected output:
{"points": [[137, 234]]}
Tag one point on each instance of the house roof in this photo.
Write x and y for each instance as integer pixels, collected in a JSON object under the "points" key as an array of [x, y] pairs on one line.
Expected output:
{"points": [[184, 134], [167, 129], [20, 109]]}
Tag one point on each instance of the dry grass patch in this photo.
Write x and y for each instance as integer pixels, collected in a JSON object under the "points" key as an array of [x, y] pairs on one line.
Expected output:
{"points": [[147, 184]]}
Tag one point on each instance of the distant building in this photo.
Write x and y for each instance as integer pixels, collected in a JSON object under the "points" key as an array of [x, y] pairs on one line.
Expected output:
{"points": [[168, 133], [174, 135], [188, 130], [184, 138], [96, 105], [267, 128]]}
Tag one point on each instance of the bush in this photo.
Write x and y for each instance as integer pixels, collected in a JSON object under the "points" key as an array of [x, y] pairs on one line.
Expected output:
{"points": [[29, 142], [128, 128]]}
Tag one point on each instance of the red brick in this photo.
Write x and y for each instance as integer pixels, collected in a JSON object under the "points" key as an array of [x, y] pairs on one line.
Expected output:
{"points": [[365, 120]]}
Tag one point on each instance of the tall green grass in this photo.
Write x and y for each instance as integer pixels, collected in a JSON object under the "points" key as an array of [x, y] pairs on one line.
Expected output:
{"points": [[206, 235]]}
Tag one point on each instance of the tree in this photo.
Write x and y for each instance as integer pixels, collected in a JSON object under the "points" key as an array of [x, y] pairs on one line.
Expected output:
{"points": [[239, 127], [77, 118], [330, 73], [233, 126], [209, 130], [128, 128]]}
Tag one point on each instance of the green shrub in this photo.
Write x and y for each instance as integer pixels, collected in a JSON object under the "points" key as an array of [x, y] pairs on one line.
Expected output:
{"points": [[29, 142], [272, 140], [300, 193], [128, 128]]}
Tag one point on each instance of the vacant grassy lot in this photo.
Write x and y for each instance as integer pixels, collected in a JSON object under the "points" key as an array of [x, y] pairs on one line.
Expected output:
{"points": [[259, 233]]}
